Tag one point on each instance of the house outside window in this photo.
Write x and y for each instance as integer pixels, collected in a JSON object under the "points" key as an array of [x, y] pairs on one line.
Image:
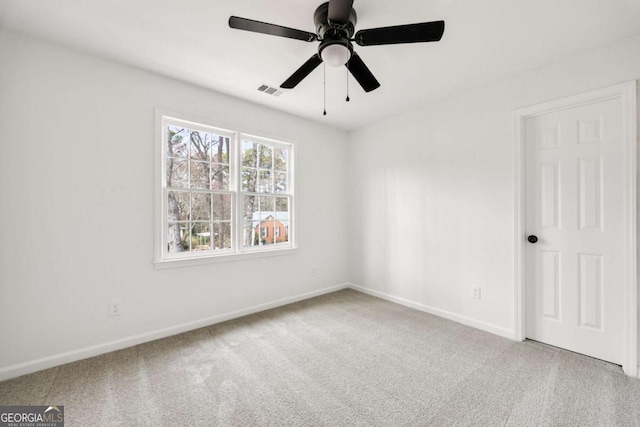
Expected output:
{"points": [[222, 192]]}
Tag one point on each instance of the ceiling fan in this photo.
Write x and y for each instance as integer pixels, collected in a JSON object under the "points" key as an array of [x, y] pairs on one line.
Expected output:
{"points": [[335, 23]]}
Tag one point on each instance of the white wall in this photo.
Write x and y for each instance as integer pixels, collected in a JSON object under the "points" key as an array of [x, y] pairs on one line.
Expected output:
{"points": [[76, 207], [432, 194]]}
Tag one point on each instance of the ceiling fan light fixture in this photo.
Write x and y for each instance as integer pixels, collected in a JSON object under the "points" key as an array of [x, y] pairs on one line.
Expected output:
{"points": [[335, 55]]}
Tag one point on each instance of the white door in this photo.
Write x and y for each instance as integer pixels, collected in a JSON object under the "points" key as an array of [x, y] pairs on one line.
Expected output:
{"points": [[575, 181]]}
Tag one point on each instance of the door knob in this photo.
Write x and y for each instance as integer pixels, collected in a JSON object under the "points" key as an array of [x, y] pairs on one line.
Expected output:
{"points": [[532, 238]]}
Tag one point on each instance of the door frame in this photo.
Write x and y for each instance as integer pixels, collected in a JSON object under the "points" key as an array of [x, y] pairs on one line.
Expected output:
{"points": [[626, 92]]}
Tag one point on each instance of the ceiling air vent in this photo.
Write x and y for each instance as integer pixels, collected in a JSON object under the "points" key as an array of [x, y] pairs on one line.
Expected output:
{"points": [[270, 90]]}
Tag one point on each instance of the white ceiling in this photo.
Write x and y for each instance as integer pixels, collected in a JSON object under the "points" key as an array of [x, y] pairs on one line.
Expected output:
{"points": [[484, 41]]}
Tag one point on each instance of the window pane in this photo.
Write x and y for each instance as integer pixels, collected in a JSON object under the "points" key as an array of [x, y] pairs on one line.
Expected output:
{"points": [[200, 175], [177, 173], [282, 219], [222, 235], [249, 154], [263, 233], [280, 159], [220, 150], [251, 236], [269, 238], [249, 179], [266, 157], [178, 206], [177, 142], [282, 206], [200, 236], [222, 207], [281, 182], [219, 177], [284, 232], [250, 204], [176, 241], [200, 207], [267, 206], [200, 145], [265, 181]]}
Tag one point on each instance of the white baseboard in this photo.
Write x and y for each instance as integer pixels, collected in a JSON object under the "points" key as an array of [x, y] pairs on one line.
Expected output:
{"points": [[487, 327], [31, 366]]}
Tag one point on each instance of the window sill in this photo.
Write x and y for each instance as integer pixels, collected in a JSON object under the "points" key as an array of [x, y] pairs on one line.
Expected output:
{"points": [[213, 259]]}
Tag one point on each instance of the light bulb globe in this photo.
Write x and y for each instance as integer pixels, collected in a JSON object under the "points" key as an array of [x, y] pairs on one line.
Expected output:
{"points": [[335, 55]]}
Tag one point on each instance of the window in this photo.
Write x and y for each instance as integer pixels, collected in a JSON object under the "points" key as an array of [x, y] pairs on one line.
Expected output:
{"points": [[265, 191], [222, 192]]}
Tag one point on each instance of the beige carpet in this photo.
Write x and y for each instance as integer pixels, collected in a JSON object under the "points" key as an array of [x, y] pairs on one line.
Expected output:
{"points": [[340, 359]]}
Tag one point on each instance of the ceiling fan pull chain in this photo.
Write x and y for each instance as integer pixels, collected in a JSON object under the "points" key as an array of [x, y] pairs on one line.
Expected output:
{"points": [[324, 88], [348, 85]]}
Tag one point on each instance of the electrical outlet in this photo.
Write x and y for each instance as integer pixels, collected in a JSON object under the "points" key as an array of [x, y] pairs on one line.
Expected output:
{"points": [[115, 308], [314, 270], [475, 293]]}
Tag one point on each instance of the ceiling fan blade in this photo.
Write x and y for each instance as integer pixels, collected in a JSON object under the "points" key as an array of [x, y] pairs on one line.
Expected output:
{"points": [[339, 11], [302, 72], [272, 29], [361, 73], [412, 33]]}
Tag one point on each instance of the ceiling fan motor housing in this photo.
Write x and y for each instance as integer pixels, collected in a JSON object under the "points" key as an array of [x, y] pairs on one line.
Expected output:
{"points": [[327, 30], [332, 34]]}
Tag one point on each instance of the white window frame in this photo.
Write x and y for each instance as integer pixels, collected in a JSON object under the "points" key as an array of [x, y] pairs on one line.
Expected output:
{"points": [[237, 251]]}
